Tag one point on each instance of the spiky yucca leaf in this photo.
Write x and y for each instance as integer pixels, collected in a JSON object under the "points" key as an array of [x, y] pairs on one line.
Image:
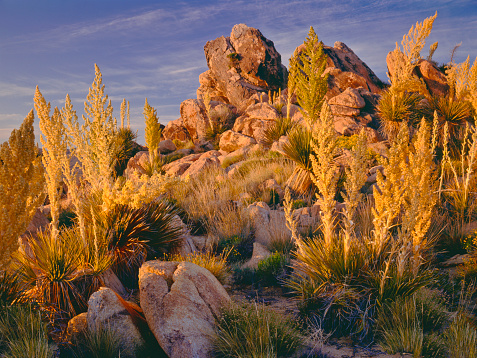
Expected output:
{"points": [[396, 107], [122, 147], [133, 235], [456, 113], [11, 288], [298, 149], [51, 267], [281, 126]]}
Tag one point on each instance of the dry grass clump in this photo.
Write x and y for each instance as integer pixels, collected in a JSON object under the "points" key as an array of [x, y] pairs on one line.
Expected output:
{"points": [[23, 333], [216, 264], [255, 331], [209, 198]]}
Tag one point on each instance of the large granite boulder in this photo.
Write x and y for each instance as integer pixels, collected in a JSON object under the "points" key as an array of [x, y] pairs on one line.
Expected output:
{"points": [[106, 309], [241, 66], [181, 302]]}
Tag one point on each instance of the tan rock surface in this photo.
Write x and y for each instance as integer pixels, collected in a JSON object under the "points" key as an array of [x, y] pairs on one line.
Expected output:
{"points": [[231, 141], [180, 302]]}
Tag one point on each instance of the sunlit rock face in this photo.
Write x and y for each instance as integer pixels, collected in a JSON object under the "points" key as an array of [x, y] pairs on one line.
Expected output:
{"points": [[241, 66]]}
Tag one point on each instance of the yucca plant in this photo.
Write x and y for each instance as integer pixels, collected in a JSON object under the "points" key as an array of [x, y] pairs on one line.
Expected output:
{"points": [[51, 269], [456, 113], [123, 149], [23, 333], [11, 288], [396, 107], [298, 149], [281, 126], [134, 235], [254, 331]]}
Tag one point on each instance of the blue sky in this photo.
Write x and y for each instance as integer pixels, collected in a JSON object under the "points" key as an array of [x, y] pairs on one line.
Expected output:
{"points": [[154, 49]]}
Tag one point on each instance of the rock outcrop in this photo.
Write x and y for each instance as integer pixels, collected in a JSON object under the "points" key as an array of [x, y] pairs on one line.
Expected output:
{"points": [[241, 66], [181, 302], [346, 70]]}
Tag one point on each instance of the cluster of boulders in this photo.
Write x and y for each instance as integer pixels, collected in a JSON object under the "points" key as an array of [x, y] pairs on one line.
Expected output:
{"points": [[180, 301]]}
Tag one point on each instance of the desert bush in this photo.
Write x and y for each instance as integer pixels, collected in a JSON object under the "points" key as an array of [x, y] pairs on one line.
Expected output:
{"points": [[21, 176], [273, 269], [237, 248], [23, 333], [207, 199], [255, 331], [221, 119]]}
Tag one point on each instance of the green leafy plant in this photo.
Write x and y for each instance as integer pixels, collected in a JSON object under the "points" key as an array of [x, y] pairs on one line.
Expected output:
{"points": [[272, 269]]}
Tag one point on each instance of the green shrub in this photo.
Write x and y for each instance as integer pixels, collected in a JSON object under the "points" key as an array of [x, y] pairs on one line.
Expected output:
{"points": [[272, 269], [23, 333], [255, 331], [238, 248]]}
